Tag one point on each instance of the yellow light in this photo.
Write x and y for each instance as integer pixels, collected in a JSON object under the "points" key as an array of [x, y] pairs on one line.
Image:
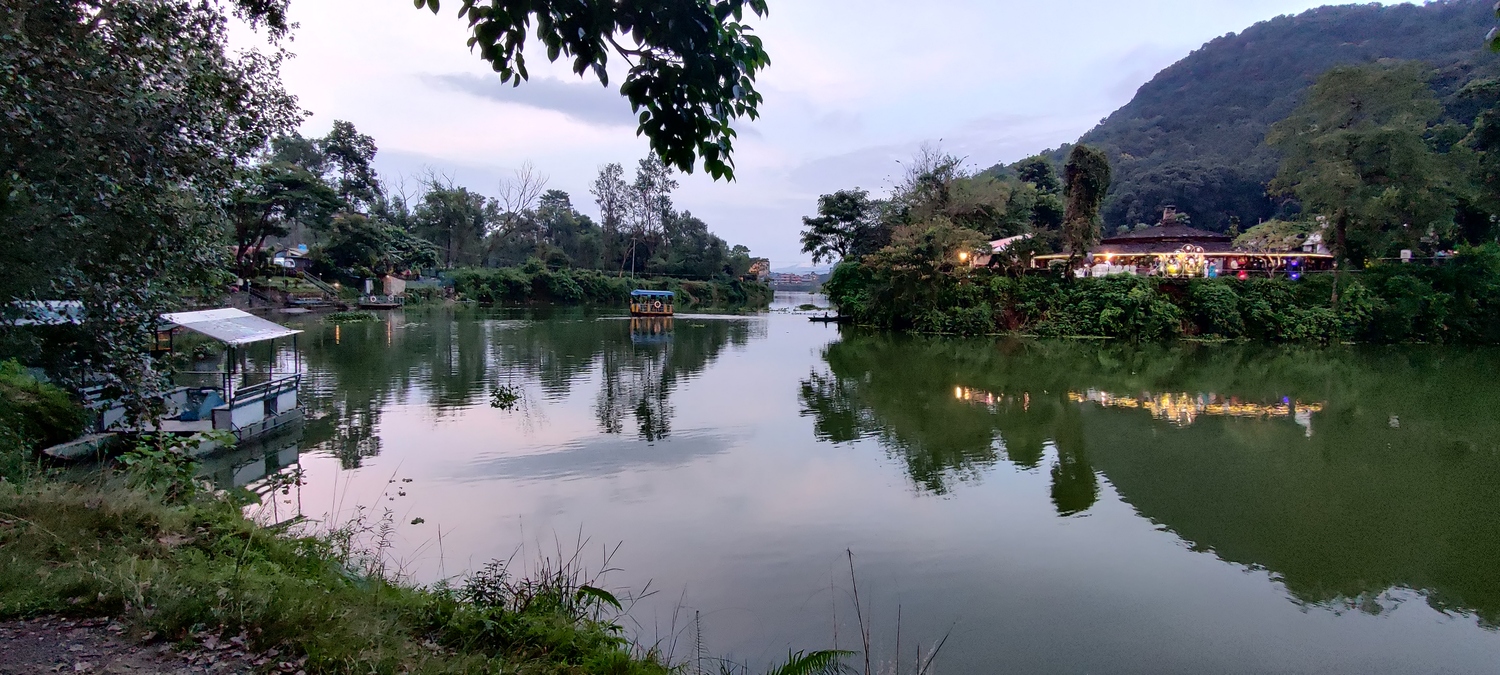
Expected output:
{"points": [[963, 256], [958, 392]]}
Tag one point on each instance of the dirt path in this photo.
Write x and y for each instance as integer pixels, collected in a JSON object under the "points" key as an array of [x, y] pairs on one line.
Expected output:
{"points": [[98, 646]]}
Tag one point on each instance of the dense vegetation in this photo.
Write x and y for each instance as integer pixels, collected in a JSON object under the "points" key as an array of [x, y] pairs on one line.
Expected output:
{"points": [[1193, 136], [1452, 303], [534, 282]]}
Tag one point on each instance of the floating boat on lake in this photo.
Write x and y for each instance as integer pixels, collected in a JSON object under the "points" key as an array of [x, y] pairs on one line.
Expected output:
{"points": [[245, 404], [651, 303]]}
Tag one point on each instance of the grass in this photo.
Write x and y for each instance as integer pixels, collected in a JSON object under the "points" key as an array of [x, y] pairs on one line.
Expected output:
{"points": [[99, 547]]}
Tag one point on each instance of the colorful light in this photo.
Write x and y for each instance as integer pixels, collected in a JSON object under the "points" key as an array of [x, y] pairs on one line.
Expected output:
{"points": [[1296, 276], [1243, 275]]}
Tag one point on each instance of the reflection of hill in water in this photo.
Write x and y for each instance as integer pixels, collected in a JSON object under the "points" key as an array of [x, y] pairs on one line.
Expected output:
{"points": [[1345, 473], [454, 360]]}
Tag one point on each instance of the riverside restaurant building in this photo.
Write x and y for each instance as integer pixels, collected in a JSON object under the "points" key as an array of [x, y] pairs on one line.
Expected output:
{"points": [[1172, 250]]}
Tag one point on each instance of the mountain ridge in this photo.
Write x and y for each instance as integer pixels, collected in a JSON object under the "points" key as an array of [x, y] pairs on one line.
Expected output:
{"points": [[1192, 136]]}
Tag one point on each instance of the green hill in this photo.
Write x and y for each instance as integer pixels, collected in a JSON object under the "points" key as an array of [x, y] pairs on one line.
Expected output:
{"points": [[1192, 136]]}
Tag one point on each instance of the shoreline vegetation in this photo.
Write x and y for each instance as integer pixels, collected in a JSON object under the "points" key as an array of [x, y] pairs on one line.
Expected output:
{"points": [[534, 283], [143, 542], [1454, 303]]}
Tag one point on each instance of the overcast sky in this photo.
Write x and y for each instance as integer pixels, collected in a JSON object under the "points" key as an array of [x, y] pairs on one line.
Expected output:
{"points": [[852, 88]]}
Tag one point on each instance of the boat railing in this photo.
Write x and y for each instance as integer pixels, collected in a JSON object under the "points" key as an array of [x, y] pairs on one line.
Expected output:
{"points": [[258, 402]]}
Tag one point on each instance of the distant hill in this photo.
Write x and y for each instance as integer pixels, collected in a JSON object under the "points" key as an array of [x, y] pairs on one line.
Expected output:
{"points": [[1192, 135]]}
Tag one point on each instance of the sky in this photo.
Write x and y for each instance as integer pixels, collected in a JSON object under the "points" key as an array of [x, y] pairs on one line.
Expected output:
{"points": [[853, 88]]}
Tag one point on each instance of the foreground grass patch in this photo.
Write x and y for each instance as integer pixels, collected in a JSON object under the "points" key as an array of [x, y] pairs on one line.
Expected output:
{"points": [[101, 548]]}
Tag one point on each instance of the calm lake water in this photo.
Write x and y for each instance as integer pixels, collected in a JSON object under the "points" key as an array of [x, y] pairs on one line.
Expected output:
{"points": [[1048, 506]]}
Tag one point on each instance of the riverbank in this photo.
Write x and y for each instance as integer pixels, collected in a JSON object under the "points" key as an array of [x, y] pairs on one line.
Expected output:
{"points": [[194, 571], [537, 284], [1455, 303]]}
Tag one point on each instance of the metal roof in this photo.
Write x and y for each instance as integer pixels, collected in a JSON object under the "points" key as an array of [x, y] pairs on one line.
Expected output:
{"points": [[230, 326], [652, 294]]}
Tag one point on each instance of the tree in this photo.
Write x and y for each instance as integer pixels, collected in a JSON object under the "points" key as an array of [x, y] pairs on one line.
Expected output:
{"points": [[1086, 179], [1038, 171], [845, 227], [360, 247], [350, 154], [126, 126], [517, 202], [271, 198], [692, 69], [1356, 151], [455, 219], [611, 194]]}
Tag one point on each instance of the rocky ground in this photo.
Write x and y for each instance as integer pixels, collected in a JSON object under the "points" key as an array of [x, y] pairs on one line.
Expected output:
{"points": [[52, 645]]}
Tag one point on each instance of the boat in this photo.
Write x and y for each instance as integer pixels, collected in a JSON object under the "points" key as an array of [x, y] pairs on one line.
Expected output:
{"points": [[380, 302], [651, 303], [246, 405]]}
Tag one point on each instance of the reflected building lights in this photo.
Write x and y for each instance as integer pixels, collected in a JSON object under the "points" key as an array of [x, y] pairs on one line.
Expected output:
{"points": [[1181, 409]]}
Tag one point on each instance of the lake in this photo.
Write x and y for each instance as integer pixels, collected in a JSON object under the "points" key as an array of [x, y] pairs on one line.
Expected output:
{"points": [[1045, 506]]}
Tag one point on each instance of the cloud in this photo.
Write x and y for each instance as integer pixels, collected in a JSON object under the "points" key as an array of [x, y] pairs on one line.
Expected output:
{"points": [[584, 102]]}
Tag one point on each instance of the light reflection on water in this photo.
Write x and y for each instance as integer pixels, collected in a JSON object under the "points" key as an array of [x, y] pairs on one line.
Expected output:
{"points": [[1056, 506]]}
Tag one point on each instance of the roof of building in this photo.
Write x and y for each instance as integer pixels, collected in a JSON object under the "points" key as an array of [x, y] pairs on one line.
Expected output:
{"points": [[230, 326]]}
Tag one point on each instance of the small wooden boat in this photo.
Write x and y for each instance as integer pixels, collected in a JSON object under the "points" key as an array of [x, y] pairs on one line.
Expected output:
{"points": [[651, 303]]}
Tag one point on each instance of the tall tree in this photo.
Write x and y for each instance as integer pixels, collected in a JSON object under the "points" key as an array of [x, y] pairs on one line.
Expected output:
{"points": [[269, 201], [349, 154], [611, 194], [126, 125], [1356, 151], [652, 193], [1086, 179], [455, 219], [692, 64]]}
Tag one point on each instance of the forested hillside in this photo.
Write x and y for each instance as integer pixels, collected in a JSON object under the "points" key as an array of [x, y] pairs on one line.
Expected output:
{"points": [[1193, 136]]}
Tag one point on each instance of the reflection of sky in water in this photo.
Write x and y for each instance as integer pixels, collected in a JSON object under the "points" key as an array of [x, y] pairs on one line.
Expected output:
{"points": [[596, 457], [740, 512]]}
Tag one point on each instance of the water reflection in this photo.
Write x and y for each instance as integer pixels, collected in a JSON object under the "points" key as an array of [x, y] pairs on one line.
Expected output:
{"points": [[1340, 517], [455, 360]]}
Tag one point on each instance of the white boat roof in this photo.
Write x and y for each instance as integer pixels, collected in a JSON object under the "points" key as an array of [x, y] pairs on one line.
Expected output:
{"points": [[230, 326]]}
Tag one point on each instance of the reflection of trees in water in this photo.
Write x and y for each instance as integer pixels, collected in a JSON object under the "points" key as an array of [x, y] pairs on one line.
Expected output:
{"points": [[456, 360], [633, 384], [1340, 517], [890, 390]]}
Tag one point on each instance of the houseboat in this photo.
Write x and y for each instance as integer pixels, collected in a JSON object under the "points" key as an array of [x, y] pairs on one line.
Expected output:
{"points": [[651, 303]]}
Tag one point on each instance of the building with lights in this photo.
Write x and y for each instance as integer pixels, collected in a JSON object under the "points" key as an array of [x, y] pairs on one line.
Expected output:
{"points": [[1173, 250]]}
